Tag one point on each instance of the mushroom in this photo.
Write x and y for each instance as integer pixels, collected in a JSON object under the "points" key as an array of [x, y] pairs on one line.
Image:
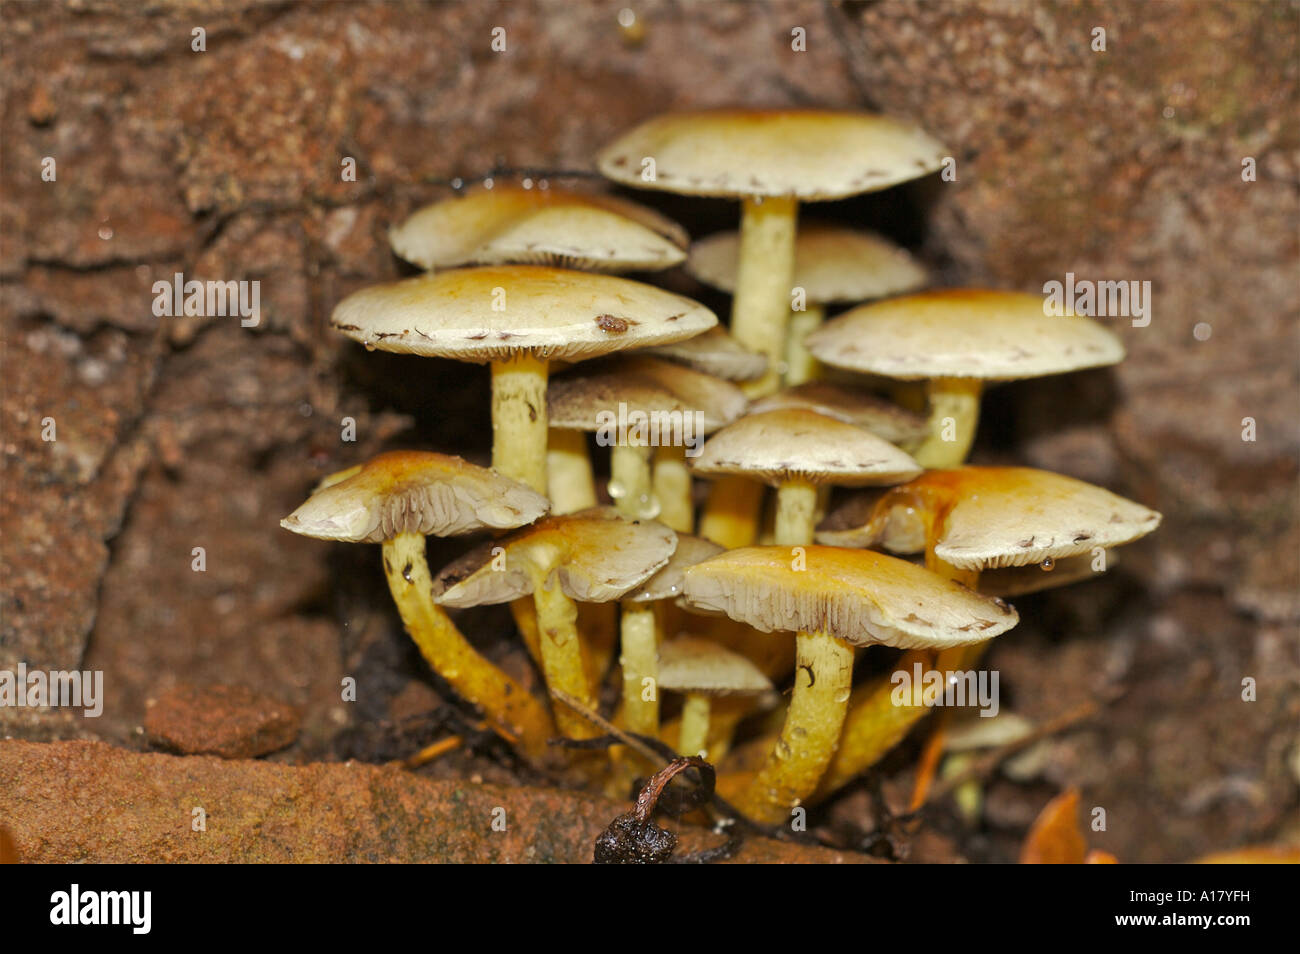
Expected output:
{"points": [[854, 405], [834, 599], [956, 339], [398, 499], [511, 225], [517, 318], [671, 401], [595, 556], [787, 156], [702, 669], [714, 352], [641, 633], [795, 450], [832, 265]]}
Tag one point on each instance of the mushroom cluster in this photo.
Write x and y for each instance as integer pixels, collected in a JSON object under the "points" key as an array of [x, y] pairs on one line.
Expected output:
{"points": [[714, 604]]}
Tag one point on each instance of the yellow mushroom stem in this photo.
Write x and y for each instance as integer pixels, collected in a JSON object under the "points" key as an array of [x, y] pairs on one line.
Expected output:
{"points": [[640, 661], [630, 482], [800, 366], [954, 416], [503, 702], [568, 472], [693, 738], [519, 429], [672, 488], [822, 685], [764, 279], [731, 514], [563, 663], [796, 513]]}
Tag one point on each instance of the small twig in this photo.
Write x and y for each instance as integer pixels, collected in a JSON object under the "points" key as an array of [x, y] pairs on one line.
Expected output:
{"points": [[639, 744]]}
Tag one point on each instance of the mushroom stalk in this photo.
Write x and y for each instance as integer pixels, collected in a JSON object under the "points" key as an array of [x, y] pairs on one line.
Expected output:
{"points": [[672, 488], [640, 660], [822, 685], [731, 515], [954, 415], [562, 656], [796, 513], [630, 481], [694, 732], [503, 701], [800, 366], [519, 429], [568, 472], [764, 274]]}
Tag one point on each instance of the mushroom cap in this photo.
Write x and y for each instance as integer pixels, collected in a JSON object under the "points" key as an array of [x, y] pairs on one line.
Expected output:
{"points": [[595, 555], [799, 444], [991, 517], [509, 224], [859, 596], [576, 399], [714, 352], [962, 333], [497, 311], [807, 154], [413, 492], [1012, 581], [691, 664], [831, 264], [853, 405], [667, 583]]}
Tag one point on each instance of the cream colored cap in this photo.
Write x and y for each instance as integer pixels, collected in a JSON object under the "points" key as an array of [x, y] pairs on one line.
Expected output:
{"points": [[859, 596], [667, 583], [853, 405], [798, 444], [806, 154], [831, 264], [595, 555], [577, 399], [494, 312], [691, 664], [962, 333], [508, 224], [413, 492], [714, 352]]}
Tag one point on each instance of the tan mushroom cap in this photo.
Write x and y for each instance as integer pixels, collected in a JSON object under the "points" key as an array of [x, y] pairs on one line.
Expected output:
{"points": [[576, 400], [509, 224], [595, 555], [414, 492], [798, 444], [714, 352], [853, 405], [551, 312], [991, 517], [806, 154], [691, 664], [962, 333], [831, 264], [859, 596], [667, 583]]}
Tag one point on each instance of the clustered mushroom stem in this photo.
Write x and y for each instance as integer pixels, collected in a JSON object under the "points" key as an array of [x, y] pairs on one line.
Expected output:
{"points": [[764, 276], [562, 655], [822, 686], [954, 413], [640, 661], [631, 484], [519, 430], [503, 701], [800, 366], [730, 517], [796, 513], [672, 488], [568, 472], [694, 732], [875, 724]]}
